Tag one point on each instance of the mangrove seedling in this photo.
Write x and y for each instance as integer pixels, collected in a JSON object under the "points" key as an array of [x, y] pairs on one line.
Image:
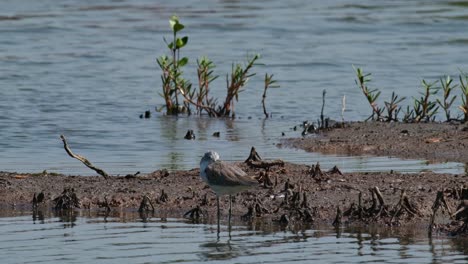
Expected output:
{"points": [[205, 77], [175, 85], [425, 109], [392, 107], [235, 83], [371, 94], [269, 83], [322, 118], [464, 90], [171, 67], [343, 108], [447, 87]]}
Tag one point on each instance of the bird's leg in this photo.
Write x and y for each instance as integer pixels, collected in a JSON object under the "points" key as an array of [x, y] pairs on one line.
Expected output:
{"points": [[230, 210], [219, 213]]}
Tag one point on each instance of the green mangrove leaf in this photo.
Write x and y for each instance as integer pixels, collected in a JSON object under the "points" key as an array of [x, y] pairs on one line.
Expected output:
{"points": [[176, 26], [181, 42], [170, 45], [182, 62]]}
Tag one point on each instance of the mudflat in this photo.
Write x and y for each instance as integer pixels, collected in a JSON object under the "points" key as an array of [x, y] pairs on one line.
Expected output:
{"points": [[299, 193]]}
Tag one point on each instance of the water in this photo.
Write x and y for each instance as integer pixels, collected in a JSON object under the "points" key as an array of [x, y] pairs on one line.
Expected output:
{"points": [[124, 239], [87, 69]]}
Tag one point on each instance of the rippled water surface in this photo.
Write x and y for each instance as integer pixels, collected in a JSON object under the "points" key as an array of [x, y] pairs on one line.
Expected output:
{"points": [[87, 69], [80, 239]]}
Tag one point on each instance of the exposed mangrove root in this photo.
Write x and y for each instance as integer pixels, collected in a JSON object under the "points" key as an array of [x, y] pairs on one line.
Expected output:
{"points": [[67, 200], [204, 200], [260, 209], [377, 209], [338, 218], [253, 156], [284, 219], [190, 135], [462, 212], [37, 199], [163, 198], [404, 205], [194, 213], [105, 204], [146, 205], [438, 203], [335, 170], [132, 176], [249, 215], [82, 159], [264, 178], [315, 171]]}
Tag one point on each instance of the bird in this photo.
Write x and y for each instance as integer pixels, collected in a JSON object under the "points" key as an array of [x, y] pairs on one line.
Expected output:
{"points": [[224, 178]]}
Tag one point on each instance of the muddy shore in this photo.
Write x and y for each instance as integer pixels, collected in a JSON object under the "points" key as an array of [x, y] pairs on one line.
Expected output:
{"points": [[287, 193], [435, 142]]}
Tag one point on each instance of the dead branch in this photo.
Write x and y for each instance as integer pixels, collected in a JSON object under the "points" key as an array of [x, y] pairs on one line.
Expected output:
{"points": [[82, 159]]}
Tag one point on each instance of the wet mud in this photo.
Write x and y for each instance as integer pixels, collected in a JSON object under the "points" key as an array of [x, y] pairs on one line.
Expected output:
{"points": [[287, 194]]}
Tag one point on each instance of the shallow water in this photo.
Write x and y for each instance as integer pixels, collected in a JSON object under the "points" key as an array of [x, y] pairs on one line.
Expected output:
{"points": [[124, 239], [87, 69]]}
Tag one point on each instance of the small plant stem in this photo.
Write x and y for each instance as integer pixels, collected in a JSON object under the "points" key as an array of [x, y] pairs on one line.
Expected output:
{"points": [[343, 108], [263, 100], [322, 125], [269, 82]]}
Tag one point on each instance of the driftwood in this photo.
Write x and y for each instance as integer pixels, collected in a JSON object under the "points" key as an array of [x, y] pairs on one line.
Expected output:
{"points": [[82, 159]]}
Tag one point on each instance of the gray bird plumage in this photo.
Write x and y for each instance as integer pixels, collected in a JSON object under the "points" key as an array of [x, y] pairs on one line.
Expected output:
{"points": [[224, 178]]}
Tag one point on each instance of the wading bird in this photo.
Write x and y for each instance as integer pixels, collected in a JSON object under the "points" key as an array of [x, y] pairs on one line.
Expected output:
{"points": [[224, 178]]}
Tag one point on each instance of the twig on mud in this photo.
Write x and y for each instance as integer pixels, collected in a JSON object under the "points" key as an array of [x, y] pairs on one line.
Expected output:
{"points": [[82, 159]]}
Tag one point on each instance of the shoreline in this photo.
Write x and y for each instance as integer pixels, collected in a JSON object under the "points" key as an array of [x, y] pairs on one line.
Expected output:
{"points": [[287, 194]]}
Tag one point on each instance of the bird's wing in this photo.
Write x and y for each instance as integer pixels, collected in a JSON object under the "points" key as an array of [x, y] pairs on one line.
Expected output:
{"points": [[221, 173]]}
